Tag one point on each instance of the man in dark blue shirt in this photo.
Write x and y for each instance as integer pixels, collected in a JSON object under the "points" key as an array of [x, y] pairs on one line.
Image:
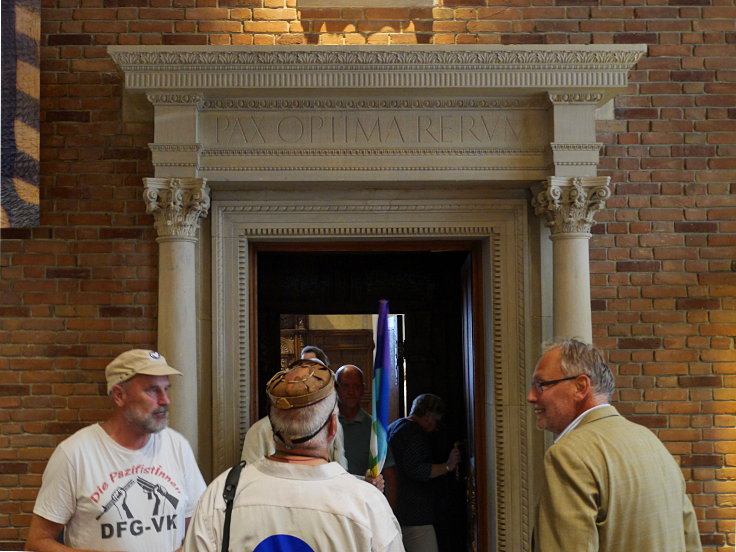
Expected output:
{"points": [[410, 443]]}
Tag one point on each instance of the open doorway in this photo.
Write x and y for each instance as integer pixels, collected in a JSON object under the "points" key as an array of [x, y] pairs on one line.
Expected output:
{"points": [[429, 285]]}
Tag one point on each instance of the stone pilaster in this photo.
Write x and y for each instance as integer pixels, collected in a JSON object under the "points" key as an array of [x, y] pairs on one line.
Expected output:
{"points": [[568, 206], [177, 204], [176, 148]]}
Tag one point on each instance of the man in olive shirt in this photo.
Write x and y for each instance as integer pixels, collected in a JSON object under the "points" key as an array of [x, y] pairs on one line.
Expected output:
{"points": [[356, 424]]}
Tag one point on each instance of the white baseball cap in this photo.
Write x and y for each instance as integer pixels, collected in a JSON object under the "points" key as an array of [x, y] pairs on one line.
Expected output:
{"points": [[134, 362]]}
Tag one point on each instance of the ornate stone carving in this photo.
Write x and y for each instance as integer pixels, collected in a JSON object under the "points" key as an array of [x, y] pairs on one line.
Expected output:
{"points": [[595, 147], [569, 204], [367, 152], [237, 223], [349, 207], [176, 205], [175, 148], [528, 56], [576, 98], [367, 169], [281, 104], [333, 67], [175, 99]]}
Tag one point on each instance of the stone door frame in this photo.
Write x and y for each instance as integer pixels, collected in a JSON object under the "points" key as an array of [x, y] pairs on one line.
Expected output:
{"points": [[502, 228]]}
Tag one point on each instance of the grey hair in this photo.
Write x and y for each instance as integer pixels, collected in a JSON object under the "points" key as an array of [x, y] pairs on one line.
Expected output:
{"points": [[428, 403], [319, 353], [578, 357], [295, 423]]}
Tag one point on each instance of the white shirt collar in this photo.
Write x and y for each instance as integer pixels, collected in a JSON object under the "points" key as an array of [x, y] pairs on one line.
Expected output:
{"points": [[577, 421]]}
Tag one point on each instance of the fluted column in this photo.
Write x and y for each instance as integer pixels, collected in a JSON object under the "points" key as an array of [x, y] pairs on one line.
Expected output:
{"points": [[177, 205], [567, 206]]}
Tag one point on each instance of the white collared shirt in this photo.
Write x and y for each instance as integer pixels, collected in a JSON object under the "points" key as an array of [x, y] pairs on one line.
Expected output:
{"points": [[577, 421]]}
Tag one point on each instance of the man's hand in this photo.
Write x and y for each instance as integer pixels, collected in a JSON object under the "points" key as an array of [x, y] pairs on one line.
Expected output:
{"points": [[377, 482], [454, 459]]}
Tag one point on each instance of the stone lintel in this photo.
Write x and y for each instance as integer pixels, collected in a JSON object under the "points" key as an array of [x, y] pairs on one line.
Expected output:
{"points": [[338, 113]]}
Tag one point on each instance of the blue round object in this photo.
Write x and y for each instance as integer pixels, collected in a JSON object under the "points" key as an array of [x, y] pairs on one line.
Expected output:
{"points": [[283, 543]]}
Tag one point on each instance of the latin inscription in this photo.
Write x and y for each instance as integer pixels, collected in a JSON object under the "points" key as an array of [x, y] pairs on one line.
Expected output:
{"points": [[361, 129]]}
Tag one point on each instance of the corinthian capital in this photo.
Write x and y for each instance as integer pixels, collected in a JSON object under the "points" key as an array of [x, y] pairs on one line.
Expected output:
{"points": [[569, 204], [176, 205]]}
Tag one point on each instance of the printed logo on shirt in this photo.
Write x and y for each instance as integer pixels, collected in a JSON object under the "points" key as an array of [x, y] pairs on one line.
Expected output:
{"points": [[283, 543], [137, 527], [138, 505]]}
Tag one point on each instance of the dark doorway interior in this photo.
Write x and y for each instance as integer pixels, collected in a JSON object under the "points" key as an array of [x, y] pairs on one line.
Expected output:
{"points": [[425, 286]]}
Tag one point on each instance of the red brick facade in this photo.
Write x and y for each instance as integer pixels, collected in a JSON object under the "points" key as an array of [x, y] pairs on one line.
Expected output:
{"points": [[82, 287]]}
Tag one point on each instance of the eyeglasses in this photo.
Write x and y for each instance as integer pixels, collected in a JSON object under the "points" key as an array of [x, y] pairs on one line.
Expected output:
{"points": [[540, 386]]}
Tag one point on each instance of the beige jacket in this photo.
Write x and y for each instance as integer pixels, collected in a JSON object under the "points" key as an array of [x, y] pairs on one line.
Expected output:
{"points": [[611, 486]]}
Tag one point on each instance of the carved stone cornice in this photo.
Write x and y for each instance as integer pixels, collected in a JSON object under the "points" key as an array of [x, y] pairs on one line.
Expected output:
{"points": [[531, 56], [530, 67], [176, 205], [569, 204]]}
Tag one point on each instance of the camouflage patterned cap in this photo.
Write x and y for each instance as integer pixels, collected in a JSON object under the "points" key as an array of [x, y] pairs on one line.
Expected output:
{"points": [[304, 382]]}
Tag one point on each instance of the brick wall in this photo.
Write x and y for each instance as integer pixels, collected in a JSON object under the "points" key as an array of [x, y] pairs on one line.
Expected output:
{"points": [[82, 287]]}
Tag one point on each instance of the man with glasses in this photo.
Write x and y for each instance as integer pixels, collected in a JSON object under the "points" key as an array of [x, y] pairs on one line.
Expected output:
{"points": [[610, 485]]}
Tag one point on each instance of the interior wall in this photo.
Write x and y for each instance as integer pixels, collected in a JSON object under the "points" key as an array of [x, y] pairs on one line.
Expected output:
{"points": [[341, 322]]}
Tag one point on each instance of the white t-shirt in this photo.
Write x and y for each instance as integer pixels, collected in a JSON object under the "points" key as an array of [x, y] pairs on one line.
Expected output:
{"points": [[299, 508], [113, 498], [259, 443]]}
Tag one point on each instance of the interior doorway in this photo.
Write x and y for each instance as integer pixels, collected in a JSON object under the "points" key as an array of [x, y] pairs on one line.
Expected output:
{"points": [[428, 284], [350, 339], [499, 323]]}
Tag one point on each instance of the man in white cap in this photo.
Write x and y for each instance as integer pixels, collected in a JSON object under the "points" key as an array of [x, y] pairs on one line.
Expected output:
{"points": [[128, 483], [296, 498]]}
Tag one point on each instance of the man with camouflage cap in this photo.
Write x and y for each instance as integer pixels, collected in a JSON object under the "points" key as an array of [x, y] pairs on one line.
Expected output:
{"points": [[128, 483], [296, 499], [258, 440]]}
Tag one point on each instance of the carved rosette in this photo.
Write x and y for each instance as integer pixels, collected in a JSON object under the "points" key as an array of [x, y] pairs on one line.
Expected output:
{"points": [[175, 98], [568, 205], [575, 97], [176, 205]]}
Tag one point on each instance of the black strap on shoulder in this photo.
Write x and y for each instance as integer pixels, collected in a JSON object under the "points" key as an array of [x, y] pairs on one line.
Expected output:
{"points": [[228, 493]]}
